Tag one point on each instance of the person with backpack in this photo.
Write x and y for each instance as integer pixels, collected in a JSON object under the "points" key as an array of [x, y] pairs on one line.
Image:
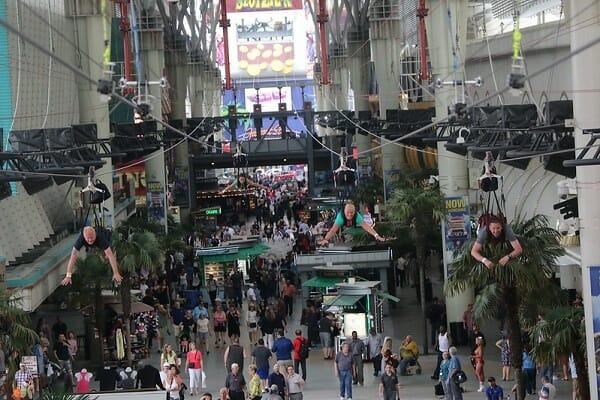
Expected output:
{"points": [[301, 351], [349, 218]]}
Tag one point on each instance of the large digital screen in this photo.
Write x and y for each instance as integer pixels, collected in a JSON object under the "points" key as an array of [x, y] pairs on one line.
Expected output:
{"points": [[269, 39]]}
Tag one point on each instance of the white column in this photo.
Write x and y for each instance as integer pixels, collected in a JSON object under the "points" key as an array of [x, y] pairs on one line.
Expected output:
{"points": [[453, 170], [585, 111], [91, 108]]}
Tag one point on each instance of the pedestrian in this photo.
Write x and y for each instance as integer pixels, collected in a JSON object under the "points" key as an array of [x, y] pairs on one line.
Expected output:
{"points": [[233, 322], [493, 391], [63, 354], [235, 383], [172, 384], [278, 379], [301, 346], [389, 387], [528, 370], [373, 344], [477, 361], [168, 356], [295, 384], [325, 330], [283, 348], [357, 349], [202, 333], [234, 354], [468, 322], [435, 314], [255, 386], [504, 345], [442, 345], [343, 371], [220, 325], [193, 364], [148, 377], [288, 292], [548, 390], [444, 373], [252, 323], [454, 367], [260, 358]]}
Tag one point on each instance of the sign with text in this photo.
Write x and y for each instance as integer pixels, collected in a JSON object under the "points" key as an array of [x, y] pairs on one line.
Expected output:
{"points": [[457, 226], [155, 202]]}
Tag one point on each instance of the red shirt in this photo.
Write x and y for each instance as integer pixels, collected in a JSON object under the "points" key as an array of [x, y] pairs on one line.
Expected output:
{"points": [[196, 358], [296, 343]]}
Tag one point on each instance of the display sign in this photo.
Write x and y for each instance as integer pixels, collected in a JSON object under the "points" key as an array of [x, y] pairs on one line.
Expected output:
{"points": [[457, 225], [391, 179], [595, 295], [213, 211], [31, 364], [155, 202]]}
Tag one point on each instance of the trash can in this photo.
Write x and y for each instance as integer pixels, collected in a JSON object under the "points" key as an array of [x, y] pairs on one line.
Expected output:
{"points": [[458, 334]]}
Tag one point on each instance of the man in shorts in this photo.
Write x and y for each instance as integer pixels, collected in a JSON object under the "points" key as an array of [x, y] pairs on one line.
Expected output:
{"points": [[260, 357]]}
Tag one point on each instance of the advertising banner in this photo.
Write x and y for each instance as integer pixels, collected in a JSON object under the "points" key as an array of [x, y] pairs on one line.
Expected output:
{"points": [[155, 202], [391, 178], [457, 225]]}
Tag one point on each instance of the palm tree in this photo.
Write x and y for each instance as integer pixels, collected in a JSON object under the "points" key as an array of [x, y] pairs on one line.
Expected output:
{"points": [[93, 275], [563, 331], [15, 334], [514, 283], [419, 205], [134, 251], [50, 395]]}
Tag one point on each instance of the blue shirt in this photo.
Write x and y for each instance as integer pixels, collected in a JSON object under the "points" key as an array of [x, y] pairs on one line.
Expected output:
{"points": [[199, 311], [283, 348], [494, 393], [528, 361], [454, 364]]}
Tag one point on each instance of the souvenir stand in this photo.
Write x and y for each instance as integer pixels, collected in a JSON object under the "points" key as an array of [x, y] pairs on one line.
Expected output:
{"points": [[358, 306]]}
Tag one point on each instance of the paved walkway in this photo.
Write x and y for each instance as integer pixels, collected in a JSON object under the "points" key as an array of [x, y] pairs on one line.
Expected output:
{"points": [[404, 319]]}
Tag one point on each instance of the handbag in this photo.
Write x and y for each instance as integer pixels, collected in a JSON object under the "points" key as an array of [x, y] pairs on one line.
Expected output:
{"points": [[439, 389], [191, 365], [459, 377]]}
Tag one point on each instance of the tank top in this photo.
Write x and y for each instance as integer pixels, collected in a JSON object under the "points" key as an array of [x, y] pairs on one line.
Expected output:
{"points": [[443, 342], [236, 355]]}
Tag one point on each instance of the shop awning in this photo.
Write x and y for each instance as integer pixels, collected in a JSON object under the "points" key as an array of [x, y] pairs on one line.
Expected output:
{"points": [[387, 296], [344, 300], [322, 282], [136, 307], [242, 254]]}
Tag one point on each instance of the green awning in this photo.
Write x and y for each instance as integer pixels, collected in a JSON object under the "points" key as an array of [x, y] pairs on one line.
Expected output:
{"points": [[322, 282], [243, 254], [387, 296], [344, 300]]}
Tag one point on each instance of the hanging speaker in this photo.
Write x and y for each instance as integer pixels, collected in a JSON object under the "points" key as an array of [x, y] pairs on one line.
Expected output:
{"points": [[557, 111], [344, 178], [554, 162]]}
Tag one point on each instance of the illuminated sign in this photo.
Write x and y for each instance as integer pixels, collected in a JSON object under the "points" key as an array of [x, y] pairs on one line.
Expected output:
{"points": [[213, 211], [263, 5]]}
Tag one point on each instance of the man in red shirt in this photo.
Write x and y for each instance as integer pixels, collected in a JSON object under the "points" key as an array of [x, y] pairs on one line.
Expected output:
{"points": [[299, 360]]}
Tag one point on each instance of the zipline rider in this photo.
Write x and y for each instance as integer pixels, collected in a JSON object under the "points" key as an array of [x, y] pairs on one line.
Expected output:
{"points": [[349, 218], [89, 238], [496, 232]]}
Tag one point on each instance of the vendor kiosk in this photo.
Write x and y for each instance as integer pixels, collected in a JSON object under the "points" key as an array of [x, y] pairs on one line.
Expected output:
{"points": [[358, 306]]}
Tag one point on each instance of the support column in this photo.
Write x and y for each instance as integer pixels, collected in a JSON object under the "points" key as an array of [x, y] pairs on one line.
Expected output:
{"points": [[453, 171], [386, 50], [585, 75], [358, 60], [152, 56], [91, 108]]}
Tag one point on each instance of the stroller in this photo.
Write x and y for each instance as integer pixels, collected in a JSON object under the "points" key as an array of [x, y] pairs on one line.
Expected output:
{"points": [[59, 379]]}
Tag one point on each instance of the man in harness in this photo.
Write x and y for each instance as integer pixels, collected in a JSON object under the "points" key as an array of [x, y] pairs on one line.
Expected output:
{"points": [[91, 237], [496, 232], [349, 218]]}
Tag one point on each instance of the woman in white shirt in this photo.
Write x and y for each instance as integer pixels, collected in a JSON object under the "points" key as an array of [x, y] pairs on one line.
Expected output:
{"points": [[252, 323], [172, 384], [203, 332]]}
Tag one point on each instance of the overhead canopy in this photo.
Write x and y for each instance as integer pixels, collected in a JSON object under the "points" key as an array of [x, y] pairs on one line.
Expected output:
{"points": [[322, 281], [344, 300], [136, 307], [387, 296], [242, 254]]}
